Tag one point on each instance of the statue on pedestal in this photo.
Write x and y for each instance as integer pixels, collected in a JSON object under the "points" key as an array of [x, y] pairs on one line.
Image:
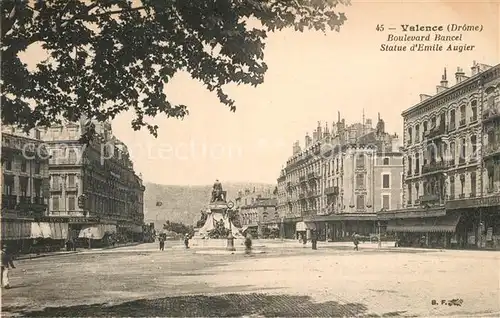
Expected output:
{"points": [[217, 192]]}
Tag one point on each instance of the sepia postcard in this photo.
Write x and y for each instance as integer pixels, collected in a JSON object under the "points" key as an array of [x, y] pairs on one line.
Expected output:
{"points": [[250, 158]]}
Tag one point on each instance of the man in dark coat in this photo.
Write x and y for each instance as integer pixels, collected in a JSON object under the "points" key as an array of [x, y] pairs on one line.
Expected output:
{"points": [[7, 263], [161, 239]]}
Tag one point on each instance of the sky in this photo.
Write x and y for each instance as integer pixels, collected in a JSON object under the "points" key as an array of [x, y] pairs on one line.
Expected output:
{"points": [[311, 77]]}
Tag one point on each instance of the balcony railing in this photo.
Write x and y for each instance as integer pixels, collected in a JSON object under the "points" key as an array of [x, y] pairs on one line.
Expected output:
{"points": [[490, 114], [462, 122], [312, 176], [461, 196], [9, 201], [473, 119], [461, 161], [451, 162], [332, 191], [492, 150], [451, 126], [433, 167], [302, 179], [451, 197], [429, 198], [473, 195], [417, 171], [64, 161], [436, 131]]}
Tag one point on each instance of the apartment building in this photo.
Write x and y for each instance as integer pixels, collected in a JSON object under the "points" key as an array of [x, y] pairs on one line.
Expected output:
{"points": [[94, 187], [341, 179], [25, 190], [451, 195], [257, 211]]}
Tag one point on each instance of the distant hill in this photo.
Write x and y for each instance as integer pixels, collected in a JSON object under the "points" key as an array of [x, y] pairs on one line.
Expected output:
{"points": [[183, 203]]}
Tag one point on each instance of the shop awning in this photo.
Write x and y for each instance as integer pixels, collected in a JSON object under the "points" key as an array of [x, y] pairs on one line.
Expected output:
{"points": [[97, 232], [137, 229], [303, 226], [15, 230], [446, 223], [40, 230]]}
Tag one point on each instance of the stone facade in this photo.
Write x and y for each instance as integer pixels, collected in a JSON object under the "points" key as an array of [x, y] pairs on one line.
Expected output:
{"points": [[444, 140], [25, 173], [93, 183]]}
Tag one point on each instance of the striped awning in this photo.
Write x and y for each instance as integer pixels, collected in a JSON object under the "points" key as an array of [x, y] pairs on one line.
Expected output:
{"points": [[303, 226], [53, 230], [97, 232], [443, 224]]}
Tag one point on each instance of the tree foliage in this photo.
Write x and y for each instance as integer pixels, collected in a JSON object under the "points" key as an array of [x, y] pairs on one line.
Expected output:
{"points": [[110, 56], [179, 228]]}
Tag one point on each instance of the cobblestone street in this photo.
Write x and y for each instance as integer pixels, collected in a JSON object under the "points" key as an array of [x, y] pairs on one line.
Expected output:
{"points": [[285, 281]]}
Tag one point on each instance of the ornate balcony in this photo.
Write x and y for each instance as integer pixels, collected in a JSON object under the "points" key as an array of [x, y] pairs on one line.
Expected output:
{"points": [[9, 201], [490, 114], [332, 191], [461, 123], [312, 176], [433, 167], [429, 199], [436, 131], [492, 150], [302, 179]]}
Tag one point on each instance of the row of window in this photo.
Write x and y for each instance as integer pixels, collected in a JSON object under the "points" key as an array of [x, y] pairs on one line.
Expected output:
{"points": [[24, 186], [24, 164], [414, 133], [460, 181]]}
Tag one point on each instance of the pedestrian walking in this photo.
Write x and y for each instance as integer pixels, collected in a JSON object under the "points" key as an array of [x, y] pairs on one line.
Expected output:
{"points": [[6, 264], [314, 240], [355, 240], [248, 244], [186, 240], [161, 239]]}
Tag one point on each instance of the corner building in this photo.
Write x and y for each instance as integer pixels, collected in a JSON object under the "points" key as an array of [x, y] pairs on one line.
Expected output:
{"points": [[94, 187], [340, 180], [451, 173]]}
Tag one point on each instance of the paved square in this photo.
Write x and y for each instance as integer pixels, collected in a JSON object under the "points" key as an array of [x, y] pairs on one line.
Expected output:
{"points": [[285, 281]]}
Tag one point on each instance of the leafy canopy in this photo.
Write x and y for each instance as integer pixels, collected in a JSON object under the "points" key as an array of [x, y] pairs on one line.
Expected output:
{"points": [[109, 56]]}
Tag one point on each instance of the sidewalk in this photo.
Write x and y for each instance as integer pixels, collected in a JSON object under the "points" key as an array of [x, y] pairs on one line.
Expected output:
{"points": [[64, 252]]}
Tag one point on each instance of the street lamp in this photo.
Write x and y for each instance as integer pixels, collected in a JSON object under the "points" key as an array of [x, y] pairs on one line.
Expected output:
{"points": [[379, 236]]}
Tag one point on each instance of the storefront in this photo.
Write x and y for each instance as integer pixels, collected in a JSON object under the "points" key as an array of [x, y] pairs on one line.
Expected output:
{"points": [[480, 223], [341, 227], [289, 227], [434, 232]]}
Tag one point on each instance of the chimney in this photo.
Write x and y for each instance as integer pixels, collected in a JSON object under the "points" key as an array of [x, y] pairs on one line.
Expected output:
{"points": [[338, 116], [308, 140], [327, 132], [444, 80], [319, 131], [460, 75], [474, 68], [315, 136], [443, 85], [424, 97]]}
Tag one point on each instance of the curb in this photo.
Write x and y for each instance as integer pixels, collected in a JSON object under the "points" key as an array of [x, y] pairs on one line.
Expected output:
{"points": [[25, 257]]}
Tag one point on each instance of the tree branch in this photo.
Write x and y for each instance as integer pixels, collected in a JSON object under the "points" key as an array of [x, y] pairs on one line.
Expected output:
{"points": [[119, 11]]}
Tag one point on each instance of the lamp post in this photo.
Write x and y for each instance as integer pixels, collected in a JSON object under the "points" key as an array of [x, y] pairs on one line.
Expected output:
{"points": [[379, 236], [230, 238]]}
